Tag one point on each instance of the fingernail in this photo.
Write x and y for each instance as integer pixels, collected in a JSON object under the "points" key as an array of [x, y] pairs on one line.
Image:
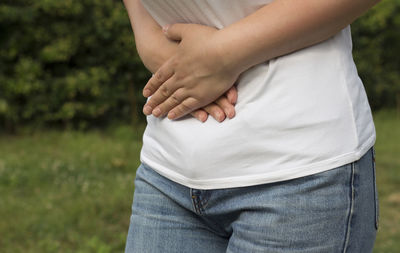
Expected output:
{"points": [[171, 115], [156, 112], [147, 109], [231, 114], [219, 117], [165, 28], [146, 93]]}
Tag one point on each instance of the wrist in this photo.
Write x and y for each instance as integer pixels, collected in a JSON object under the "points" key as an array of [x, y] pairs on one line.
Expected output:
{"points": [[232, 52]]}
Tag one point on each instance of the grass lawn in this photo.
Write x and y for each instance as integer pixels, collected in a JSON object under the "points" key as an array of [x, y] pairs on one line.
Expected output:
{"points": [[388, 181], [72, 191], [67, 191]]}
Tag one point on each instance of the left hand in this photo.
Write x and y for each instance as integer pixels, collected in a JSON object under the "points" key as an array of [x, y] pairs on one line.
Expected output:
{"points": [[194, 77], [223, 107]]}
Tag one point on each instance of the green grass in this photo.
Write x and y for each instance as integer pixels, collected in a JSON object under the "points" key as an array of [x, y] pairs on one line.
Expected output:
{"points": [[67, 191], [388, 181], [72, 191]]}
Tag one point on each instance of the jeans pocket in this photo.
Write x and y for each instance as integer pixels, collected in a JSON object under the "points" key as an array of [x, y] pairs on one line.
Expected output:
{"points": [[375, 190]]}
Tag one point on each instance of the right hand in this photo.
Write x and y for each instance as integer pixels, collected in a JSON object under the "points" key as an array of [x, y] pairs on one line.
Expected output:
{"points": [[191, 79], [155, 48], [221, 108]]}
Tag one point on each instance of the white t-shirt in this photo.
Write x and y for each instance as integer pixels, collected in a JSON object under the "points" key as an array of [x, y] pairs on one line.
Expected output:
{"points": [[296, 115]]}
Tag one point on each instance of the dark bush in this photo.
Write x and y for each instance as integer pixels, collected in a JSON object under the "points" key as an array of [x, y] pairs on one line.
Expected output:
{"points": [[68, 63], [74, 64]]}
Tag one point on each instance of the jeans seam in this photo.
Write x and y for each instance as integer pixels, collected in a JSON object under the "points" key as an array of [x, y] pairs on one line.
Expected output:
{"points": [[204, 202], [200, 205], [376, 200], [192, 200], [195, 202], [350, 214]]}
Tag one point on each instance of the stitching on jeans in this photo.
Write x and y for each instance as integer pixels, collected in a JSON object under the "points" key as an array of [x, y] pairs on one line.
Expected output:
{"points": [[206, 198], [199, 208], [195, 202], [350, 215], [204, 202], [376, 200], [192, 200]]}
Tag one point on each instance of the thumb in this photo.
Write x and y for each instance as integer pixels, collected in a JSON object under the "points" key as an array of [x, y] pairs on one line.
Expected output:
{"points": [[173, 32]]}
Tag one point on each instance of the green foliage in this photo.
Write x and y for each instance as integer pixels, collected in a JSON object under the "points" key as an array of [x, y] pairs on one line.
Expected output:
{"points": [[74, 63], [376, 40], [67, 62]]}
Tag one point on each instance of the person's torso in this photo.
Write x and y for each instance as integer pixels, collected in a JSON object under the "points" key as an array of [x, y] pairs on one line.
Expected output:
{"points": [[296, 115]]}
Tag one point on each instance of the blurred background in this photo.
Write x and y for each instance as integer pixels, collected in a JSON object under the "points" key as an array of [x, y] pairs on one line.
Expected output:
{"points": [[71, 122]]}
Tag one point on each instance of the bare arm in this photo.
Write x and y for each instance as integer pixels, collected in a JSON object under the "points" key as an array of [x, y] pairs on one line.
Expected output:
{"points": [[155, 49], [149, 37], [200, 72], [285, 26]]}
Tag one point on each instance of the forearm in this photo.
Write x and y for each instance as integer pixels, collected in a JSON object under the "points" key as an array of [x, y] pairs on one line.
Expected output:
{"points": [[285, 26], [152, 46]]}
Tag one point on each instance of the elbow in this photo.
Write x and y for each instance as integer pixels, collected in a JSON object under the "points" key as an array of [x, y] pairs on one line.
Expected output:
{"points": [[150, 60]]}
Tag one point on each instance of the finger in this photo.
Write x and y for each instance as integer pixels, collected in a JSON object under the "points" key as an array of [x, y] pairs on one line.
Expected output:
{"points": [[163, 93], [227, 107], [215, 111], [200, 114], [232, 95], [169, 103], [174, 31], [187, 106], [161, 76]]}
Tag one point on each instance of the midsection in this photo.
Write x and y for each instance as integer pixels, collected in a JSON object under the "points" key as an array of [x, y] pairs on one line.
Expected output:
{"points": [[292, 111], [296, 105]]}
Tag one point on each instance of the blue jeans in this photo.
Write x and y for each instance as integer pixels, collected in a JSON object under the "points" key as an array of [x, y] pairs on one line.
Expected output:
{"points": [[333, 211]]}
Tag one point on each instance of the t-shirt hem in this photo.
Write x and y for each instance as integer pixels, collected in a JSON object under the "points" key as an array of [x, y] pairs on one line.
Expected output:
{"points": [[257, 179]]}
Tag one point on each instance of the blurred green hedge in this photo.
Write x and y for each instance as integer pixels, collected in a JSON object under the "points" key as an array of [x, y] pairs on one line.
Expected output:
{"points": [[74, 64], [68, 63], [376, 40]]}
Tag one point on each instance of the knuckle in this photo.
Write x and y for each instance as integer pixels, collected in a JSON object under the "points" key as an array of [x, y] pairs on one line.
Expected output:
{"points": [[179, 95], [152, 86], [154, 101], [164, 91], [149, 85], [169, 105], [159, 76], [196, 102], [185, 107], [175, 98]]}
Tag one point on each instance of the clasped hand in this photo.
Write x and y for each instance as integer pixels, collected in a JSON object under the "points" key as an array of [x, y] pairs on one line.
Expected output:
{"points": [[194, 77]]}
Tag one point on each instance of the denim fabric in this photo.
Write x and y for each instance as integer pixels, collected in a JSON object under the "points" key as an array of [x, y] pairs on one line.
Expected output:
{"points": [[333, 211]]}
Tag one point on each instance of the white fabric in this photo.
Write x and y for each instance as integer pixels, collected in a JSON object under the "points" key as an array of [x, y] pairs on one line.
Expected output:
{"points": [[296, 115]]}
